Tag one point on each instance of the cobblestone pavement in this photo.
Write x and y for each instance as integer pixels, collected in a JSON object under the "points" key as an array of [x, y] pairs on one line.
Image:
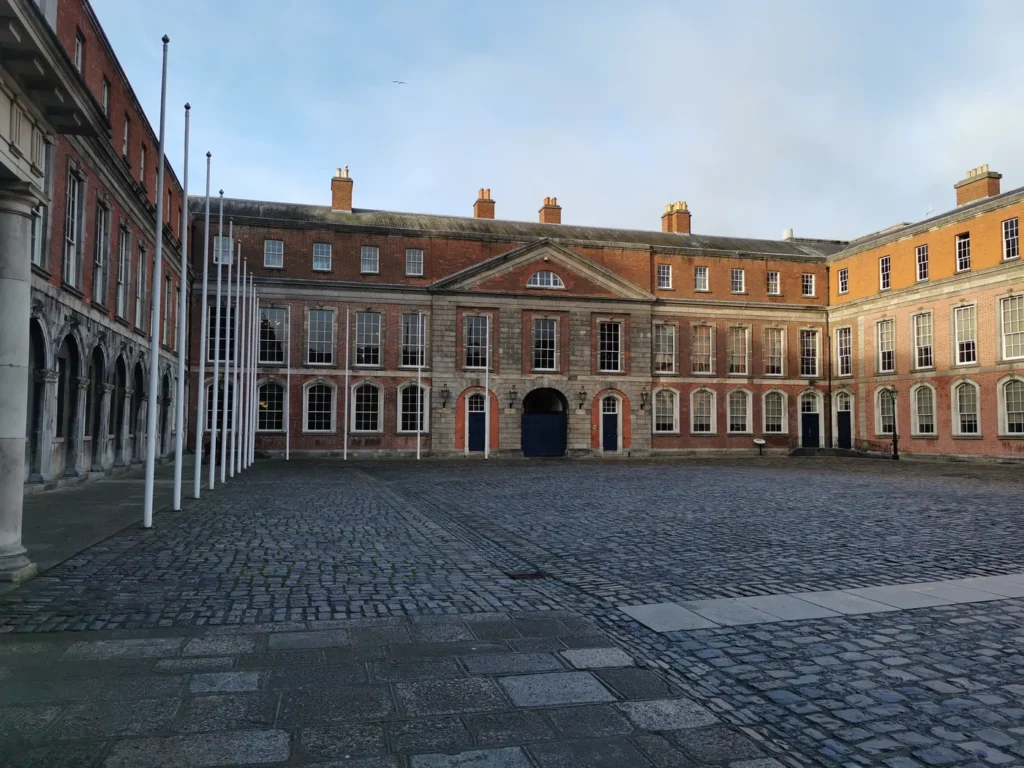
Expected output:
{"points": [[326, 543]]}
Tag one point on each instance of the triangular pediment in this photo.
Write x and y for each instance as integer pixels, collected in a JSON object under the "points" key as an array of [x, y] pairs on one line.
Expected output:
{"points": [[510, 272]]}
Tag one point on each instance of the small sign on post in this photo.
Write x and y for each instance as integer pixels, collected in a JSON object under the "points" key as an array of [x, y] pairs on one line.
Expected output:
{"points": [[759, 442]]}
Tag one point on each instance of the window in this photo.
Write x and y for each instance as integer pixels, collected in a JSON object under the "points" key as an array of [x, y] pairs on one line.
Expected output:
{"points": [[664, 349], [125, 136], [665, 276], [105, 97], [170, 205], [142, 166], [321, 336], [413, 413], [1013, 407], [273, 254], [844, 351], [321, 256], [886, 346], [737, 281], [475, 403], [223, 248], [774, 413], [808, 353], [271, 407], [701, 353], [922, 263], [414, 340], [739, 411], [774, 288], [1012, 316], [774, 351], [700, 278], [609, 350], [923, 402], [38, 234], [545, 332], [886, 413], [923, 357], [544, 280], [965, 403], [366, 410], [666, 412], [844, 280], [369, 260], [367, 338], [174, 327], [806, 284], [738, 351], [272, 334], [167, 312], [319, 408], [963, 252], [884, 276], [414, 262], [1011, 240], [702, 412], [73, 229], [226, 347], [124, 257], [101, 255], [79, 51], [140, 287], [477, 332], [230, 390], [964, 325]]}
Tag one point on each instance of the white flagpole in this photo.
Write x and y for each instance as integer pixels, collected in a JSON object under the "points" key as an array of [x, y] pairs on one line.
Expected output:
{"points": [[487, 391], [419, 383], [154, 355], [348, 339], [242, 371], [254, 338], [215, 413], [251, 444], [179, 394], [228, 404], [203, 333], [288, 387], [240, 399]]}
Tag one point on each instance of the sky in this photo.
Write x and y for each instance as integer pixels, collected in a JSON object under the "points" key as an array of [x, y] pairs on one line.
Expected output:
{"points": [[835, 119]]}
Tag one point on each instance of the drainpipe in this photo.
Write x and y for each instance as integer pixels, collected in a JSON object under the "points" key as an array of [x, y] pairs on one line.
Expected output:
{"points": [[828, 335]]}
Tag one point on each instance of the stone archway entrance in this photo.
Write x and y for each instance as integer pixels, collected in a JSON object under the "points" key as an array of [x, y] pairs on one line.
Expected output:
{"points": [[36, 398], [545, 423]]}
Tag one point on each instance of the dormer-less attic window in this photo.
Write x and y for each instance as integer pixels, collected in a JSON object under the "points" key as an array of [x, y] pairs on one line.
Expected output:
{"points": [[545, 280]]}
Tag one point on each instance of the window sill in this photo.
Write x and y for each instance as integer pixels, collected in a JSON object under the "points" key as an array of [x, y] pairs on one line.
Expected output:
{"points": [[321, 365], [544, 371], [319, 431], [665, 288], [271, 364], [673, 432], [40, 270], [924, 437], [320, 270], [369, 274], [122, 320], [975, 364], [885, 373], [923, 368], [1011, 437], [739, 434], [843, 293], [703, 434], [702, 290], [100, 306], [365, 432], [882, 290], [270, 432], [1011, 258], [961, 271], [703, 373], [774, 295], [407, 274], [610, 373], [664, 373], [268, 266], [804, 296], [72, 290], [368, 366], [413, 432], [968, 437], [737, 375], [775, 434], [739, 293], [922, 279]]}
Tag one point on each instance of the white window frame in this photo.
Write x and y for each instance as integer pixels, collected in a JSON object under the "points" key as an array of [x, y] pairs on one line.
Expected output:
{"points": [[223, 250], [1004, 303], [844, 280], [74, 210], [766, 351], [546, 279], [619, 343], [885, 273], [915, 426], [785, 412], [486, 342], [701, 281], [1004, 414], [369, 260], [322, 257], [284, 339], [671, 354], [380, 408], [309, 333], [963, 252], [748, 416], [273, 254], [79, 57], [664, 277], [773, 283], [711, 352], [105, 97], [424, 405], [714, 411], [410, 270], [125, 140], [921, 259], [916, 327], [741, 274], [885, 341], [807, 281], [1011, 239], [533, 345], [958, 313], [419, 347], [731, 355], [305, 406], [674, 395], [268, 382], [124, 272], [954, 405], [379, 343], [101, 254], [816, 335], [842, 331], [878, 412], [140, 285]]}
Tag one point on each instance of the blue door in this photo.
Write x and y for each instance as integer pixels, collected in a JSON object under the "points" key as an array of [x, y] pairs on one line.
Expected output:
{"points": [[544, 434], [610, 424], [477, 422]]}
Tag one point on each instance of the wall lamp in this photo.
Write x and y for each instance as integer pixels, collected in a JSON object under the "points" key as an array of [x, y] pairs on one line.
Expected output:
{"points": [[512, 394], [582, 394], [444, 396], [643, 398]]}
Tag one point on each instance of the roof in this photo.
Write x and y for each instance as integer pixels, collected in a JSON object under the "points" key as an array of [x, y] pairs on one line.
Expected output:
{"points": [[391, 222]]}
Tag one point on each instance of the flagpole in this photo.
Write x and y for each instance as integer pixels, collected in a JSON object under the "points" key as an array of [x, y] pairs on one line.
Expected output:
{"points": [[240, 400], [419, 384], [242, 371], [253, 405], [179, 395], [229, 404], [154, 355], [487, 391], [203, 333], [348, 339], [215, 413], [254, 328], [288, 387]]}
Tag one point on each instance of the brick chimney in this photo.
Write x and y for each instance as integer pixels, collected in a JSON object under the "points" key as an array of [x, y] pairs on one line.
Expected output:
{"points": [[676, 218], [551, 211], [980, 182], [341, 191], [483, 208]]}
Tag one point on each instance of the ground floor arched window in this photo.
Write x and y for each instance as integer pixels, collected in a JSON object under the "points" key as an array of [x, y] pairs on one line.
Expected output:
{"points": [[366, 410], [271, 407], [1013, 407], [775, 413], [966, 419], [666, 411], [319, 408]]}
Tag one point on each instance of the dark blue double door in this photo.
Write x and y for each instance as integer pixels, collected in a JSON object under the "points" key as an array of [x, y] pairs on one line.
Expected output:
{"points": [[544, 434]]}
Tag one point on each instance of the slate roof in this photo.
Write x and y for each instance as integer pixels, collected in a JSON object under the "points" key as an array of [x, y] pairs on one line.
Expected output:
{"points": [[369, 220]]}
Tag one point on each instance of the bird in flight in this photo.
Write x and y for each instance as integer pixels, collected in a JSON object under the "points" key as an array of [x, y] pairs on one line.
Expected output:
{"points": [[398, 82]]}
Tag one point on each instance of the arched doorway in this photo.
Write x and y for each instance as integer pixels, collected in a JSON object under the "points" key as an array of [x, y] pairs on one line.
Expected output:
{"points": [[68, 366], [810, 420], [94, 426], [545, 423], [136, 426], [611, 423], [117, 407], [165, 409], [844, 419], [476, 422], [36, 391]]}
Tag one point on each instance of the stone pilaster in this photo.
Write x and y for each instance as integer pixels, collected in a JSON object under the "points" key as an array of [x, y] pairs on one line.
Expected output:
{"points": [[75, 462], [46, 427], [140, 429], [101, 431], [124, 457]]}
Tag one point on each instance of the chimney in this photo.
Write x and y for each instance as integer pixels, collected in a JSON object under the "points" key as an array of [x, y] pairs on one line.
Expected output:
{"points": [[676, 218], [551, 211], [980, 182], [483, 208], [341, 191], [787, 233]]}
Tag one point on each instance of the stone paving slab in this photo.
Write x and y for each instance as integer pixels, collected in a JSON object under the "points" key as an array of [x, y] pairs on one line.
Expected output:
{"points": [[844, 602], [787, 607], [667, 617], [728, 612]]}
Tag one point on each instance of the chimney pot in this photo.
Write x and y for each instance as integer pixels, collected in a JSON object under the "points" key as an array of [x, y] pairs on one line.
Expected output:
{"points": [[487, 193], [787, 233], [977, 184], [341, 191]]}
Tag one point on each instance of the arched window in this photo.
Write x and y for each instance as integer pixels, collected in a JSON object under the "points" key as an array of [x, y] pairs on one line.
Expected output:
{"points": [[885, 412], [739, 411], [545, 279], [702, 412], [775, 413], [220, 406], [922, 401], [413, 416], [366, 408], [319, 408], [475, 403], [271, 407], [666, 410], [1013, 407], [965, 409]]}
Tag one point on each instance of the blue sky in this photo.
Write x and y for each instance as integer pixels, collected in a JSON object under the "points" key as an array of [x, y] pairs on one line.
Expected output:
{"points": [[835, 119]]}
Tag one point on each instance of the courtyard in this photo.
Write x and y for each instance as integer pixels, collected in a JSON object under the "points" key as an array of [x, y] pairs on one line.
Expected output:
{"points": [[227, 625]]}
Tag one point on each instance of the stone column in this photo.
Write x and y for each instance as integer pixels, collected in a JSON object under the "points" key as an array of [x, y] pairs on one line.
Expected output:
{"points": [[47, 425], [101, 431], [77, 439], [126, 436], [140, 429], [16, 203]]}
